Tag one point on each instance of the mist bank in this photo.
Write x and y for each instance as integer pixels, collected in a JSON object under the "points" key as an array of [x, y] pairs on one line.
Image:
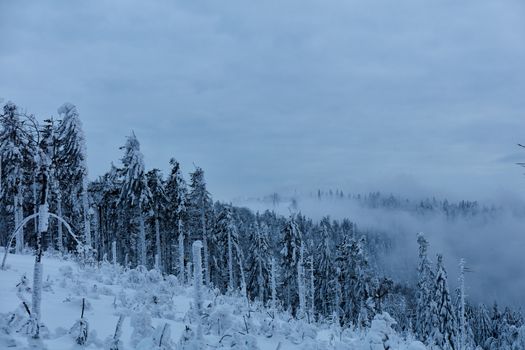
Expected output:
{"points": [[489, 236]]}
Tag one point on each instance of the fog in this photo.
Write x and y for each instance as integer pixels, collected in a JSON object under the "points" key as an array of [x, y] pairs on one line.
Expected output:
{"points": [[493, 246]]}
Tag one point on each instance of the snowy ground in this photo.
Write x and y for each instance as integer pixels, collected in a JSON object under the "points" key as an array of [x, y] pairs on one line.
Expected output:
{"points": [[148, 303]]}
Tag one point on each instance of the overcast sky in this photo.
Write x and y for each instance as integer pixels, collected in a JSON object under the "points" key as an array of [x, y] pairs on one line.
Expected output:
{"points": [[402, 96]]}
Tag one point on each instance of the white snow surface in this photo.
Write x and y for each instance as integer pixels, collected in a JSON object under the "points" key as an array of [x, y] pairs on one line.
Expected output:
{"points": [[149, 302]]}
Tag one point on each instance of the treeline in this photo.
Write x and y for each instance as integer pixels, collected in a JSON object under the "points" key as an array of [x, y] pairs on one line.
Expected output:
{"points": [[377, 200], [321, 271]]}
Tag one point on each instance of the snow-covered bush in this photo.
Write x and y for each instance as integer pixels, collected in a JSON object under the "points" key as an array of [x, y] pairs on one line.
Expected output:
{"points": [[114, 342], [238, 341], [81, 328], [381, 336], [142, 328]]}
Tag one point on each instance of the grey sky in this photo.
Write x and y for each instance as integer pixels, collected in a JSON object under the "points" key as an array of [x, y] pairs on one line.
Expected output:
{"points": [[283, 95]]}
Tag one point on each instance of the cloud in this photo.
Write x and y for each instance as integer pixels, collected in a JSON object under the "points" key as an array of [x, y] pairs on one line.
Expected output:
{"points": [[291, 94]]}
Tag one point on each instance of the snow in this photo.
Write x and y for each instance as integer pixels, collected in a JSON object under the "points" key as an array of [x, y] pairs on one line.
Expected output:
{"points": [[159, 310]]}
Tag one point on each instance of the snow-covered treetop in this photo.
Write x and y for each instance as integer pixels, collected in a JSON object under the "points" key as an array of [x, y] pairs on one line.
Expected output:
{"points": [[134, 188], [72, 142], [176, 189]]}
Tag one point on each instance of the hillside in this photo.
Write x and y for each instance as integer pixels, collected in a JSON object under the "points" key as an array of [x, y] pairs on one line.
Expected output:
{"points": [[148, 302]]}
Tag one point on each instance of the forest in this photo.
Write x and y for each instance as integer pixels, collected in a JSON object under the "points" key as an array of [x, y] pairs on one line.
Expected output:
{"points": [[319, 271]]}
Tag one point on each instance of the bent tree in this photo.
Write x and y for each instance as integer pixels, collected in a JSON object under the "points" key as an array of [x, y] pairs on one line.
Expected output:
{"points": [[43, 215]]}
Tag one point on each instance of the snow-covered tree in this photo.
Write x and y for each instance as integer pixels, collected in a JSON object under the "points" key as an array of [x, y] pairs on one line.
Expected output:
{"points": [[197, 285], [325, 271], [158, 205], [14, 152], [199, 207], [444, 330], [301, 283], [73, 163], [289, 260], [424, 292], [224, 240], [258, 264], [135, 192], [176, 193]]}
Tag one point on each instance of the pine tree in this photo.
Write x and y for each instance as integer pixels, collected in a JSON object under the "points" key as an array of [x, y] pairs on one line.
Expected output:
{"points": [[301, 283], [364, 285], [134, 191], [176, 193], [258, 263], [444, 333], [50, 140], [325, 271], [223, 254], [73, 161], [14, 151], [106, 196], [199, 202], [290, 258], [424, 292], [158, 206]]}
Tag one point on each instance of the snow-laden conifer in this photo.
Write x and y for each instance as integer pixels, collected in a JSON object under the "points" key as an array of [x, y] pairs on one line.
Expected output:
{"points": [[135, 192]]}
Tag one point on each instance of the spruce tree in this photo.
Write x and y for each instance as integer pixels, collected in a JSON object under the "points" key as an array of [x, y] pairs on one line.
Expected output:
{"points": [[14, 151], [158, 206], [259, 269], [73, 161], [199, 206], [289, 261], [444, 332], [424, 292], [176, 193], [224, 241], [325, 272], [135, 194]]}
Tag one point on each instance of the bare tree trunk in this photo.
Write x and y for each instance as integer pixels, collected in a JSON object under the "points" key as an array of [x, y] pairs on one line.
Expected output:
{"points": [[18, 214], [312, 288], [181, 254], [230, 262], [142, 242], [60, 238], [85, 207], [205, 246], [273, 283], [43, 225], [197, 277], [35, 201], [301, 284], [19, 237], [158, 255], [114, 252]]}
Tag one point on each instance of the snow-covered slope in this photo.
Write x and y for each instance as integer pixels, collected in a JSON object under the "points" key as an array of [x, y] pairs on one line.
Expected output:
{"points": [[157, 311]]}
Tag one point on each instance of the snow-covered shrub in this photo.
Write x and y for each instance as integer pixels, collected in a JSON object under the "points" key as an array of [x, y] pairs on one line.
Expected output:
{"points": [[301, 331], [220, 320], [142, 328], [189, 340], [79, 288], [162, 337], [153, 277], [238, 341], [135, 278], [66, 271], [113, 342], [18, 318], [381, 336], [47, 285], [122, 300], [81, 328]]}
